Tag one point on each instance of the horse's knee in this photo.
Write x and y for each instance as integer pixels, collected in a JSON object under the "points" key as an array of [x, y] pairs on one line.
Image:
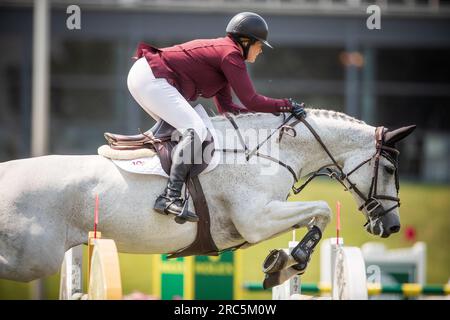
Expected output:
{"points": [[324, 216], [324, 209]]}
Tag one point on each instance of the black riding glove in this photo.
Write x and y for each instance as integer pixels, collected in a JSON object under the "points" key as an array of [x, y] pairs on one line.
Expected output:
{"points": [[298, 109]]}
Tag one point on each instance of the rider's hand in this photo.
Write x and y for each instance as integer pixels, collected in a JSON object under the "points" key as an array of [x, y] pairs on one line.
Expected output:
{"points": [[297, 109], [236, 110]]}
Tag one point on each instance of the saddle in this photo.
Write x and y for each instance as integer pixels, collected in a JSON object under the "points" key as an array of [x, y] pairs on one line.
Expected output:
{"points": [[162, 139]]}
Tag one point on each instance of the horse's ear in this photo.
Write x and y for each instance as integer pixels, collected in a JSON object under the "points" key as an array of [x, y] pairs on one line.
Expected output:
{"points": [[392, 137]]}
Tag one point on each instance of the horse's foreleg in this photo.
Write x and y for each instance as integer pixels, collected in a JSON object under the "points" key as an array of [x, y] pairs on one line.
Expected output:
{"points": [[278, 217]]}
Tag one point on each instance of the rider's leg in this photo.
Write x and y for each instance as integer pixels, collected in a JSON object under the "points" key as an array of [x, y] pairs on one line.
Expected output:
{"points": [[171, 202], [176, 111], [139, 73], [163, 100]]}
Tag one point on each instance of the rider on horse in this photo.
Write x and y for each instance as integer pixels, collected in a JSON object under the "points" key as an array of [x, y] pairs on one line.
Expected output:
{"points": [[163, 80]]}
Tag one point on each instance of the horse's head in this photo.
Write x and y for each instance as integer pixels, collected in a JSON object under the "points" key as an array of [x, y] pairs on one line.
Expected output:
{"points": [[374, 182]]}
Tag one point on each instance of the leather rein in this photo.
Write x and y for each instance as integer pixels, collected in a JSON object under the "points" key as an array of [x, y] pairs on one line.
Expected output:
{"points": [[371, 201]]}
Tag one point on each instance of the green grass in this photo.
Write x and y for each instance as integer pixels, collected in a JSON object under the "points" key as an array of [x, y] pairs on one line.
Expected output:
{"points": [[424, 207]]}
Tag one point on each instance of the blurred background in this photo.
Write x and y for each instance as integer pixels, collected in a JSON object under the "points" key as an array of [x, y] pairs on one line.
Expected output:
{"points": [[324, 55]]}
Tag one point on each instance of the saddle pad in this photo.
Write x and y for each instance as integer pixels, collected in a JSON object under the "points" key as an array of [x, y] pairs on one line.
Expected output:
{"points": [[152, 165], [110, 153]]}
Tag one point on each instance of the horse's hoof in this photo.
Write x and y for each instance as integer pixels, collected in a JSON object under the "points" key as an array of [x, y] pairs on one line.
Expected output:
{"points": [[275, 261], [271, 280], [275, 279]]}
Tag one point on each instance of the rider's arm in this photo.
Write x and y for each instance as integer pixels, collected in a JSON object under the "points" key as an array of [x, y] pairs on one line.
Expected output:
{"points": [[235, 71], [224, 101]]}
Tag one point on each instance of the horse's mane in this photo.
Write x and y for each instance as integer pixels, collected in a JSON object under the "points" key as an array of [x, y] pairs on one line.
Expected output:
{"points": [[321, 113]]}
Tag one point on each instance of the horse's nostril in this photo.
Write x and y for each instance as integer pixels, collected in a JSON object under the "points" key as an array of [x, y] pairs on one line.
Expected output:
{"points": [[394, 229]]}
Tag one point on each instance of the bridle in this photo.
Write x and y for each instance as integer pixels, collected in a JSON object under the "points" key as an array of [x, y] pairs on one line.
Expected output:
{"points": [[371, 201]]}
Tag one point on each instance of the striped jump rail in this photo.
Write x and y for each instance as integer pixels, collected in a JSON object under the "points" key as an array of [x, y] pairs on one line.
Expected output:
{"points": [[373, 289]]}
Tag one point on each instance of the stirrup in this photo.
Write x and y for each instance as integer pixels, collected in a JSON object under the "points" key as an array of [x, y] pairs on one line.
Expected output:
{"points": [[186, 215], [162, 207]]}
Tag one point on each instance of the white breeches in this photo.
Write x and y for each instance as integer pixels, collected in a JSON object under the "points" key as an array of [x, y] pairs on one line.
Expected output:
{"points": [[161, 100]]}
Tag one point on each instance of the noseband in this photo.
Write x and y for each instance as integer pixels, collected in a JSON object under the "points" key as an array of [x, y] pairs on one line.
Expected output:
{"points": [[371, 201]]}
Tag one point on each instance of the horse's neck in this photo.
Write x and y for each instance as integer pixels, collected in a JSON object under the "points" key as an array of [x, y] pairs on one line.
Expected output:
{"points": [[342, 136]]}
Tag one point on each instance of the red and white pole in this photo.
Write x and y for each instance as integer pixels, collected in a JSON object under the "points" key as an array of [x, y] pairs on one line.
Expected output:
{"points": [[338, 221], [96, 216]]}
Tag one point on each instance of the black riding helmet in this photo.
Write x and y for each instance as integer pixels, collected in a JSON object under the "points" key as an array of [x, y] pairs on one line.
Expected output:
{"points": [[249, 25]]}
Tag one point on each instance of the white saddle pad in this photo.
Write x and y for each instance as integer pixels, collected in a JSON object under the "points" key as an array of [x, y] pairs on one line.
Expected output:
{"points": [[152, 165]]}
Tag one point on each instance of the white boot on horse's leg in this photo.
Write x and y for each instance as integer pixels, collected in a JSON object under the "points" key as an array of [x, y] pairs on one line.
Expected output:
{"points": [[171, 202]]}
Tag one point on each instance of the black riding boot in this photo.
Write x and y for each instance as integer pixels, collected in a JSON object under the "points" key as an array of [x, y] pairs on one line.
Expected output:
{"points": [[171, 202]]}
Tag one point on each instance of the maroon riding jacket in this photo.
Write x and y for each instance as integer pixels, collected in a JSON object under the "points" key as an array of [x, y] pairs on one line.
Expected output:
{"points": [[209, 68]]}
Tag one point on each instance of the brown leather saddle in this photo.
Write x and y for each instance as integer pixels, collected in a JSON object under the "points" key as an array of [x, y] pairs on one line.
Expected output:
{"points": [[162, 139]]}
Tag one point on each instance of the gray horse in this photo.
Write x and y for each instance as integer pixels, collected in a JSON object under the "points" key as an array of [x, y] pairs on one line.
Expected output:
{"points": [[47, 203]]}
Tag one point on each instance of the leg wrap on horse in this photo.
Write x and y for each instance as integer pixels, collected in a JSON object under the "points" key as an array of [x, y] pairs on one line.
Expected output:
{"points": [[302, 252], [184, 156], [279, 266]]}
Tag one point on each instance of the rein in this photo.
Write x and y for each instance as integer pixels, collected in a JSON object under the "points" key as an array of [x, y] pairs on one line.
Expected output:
{"points": [[371, 202], [249, 154]]}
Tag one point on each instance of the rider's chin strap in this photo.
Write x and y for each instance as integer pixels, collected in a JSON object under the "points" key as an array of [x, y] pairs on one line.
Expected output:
{"points": [[245, 46]]}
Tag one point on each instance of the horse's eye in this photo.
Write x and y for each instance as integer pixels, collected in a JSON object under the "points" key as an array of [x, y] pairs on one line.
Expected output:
{"points": [[389, 169]]}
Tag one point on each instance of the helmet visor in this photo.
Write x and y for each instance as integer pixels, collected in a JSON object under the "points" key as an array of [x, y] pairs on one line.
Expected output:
{"points": [[265, 42]]}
